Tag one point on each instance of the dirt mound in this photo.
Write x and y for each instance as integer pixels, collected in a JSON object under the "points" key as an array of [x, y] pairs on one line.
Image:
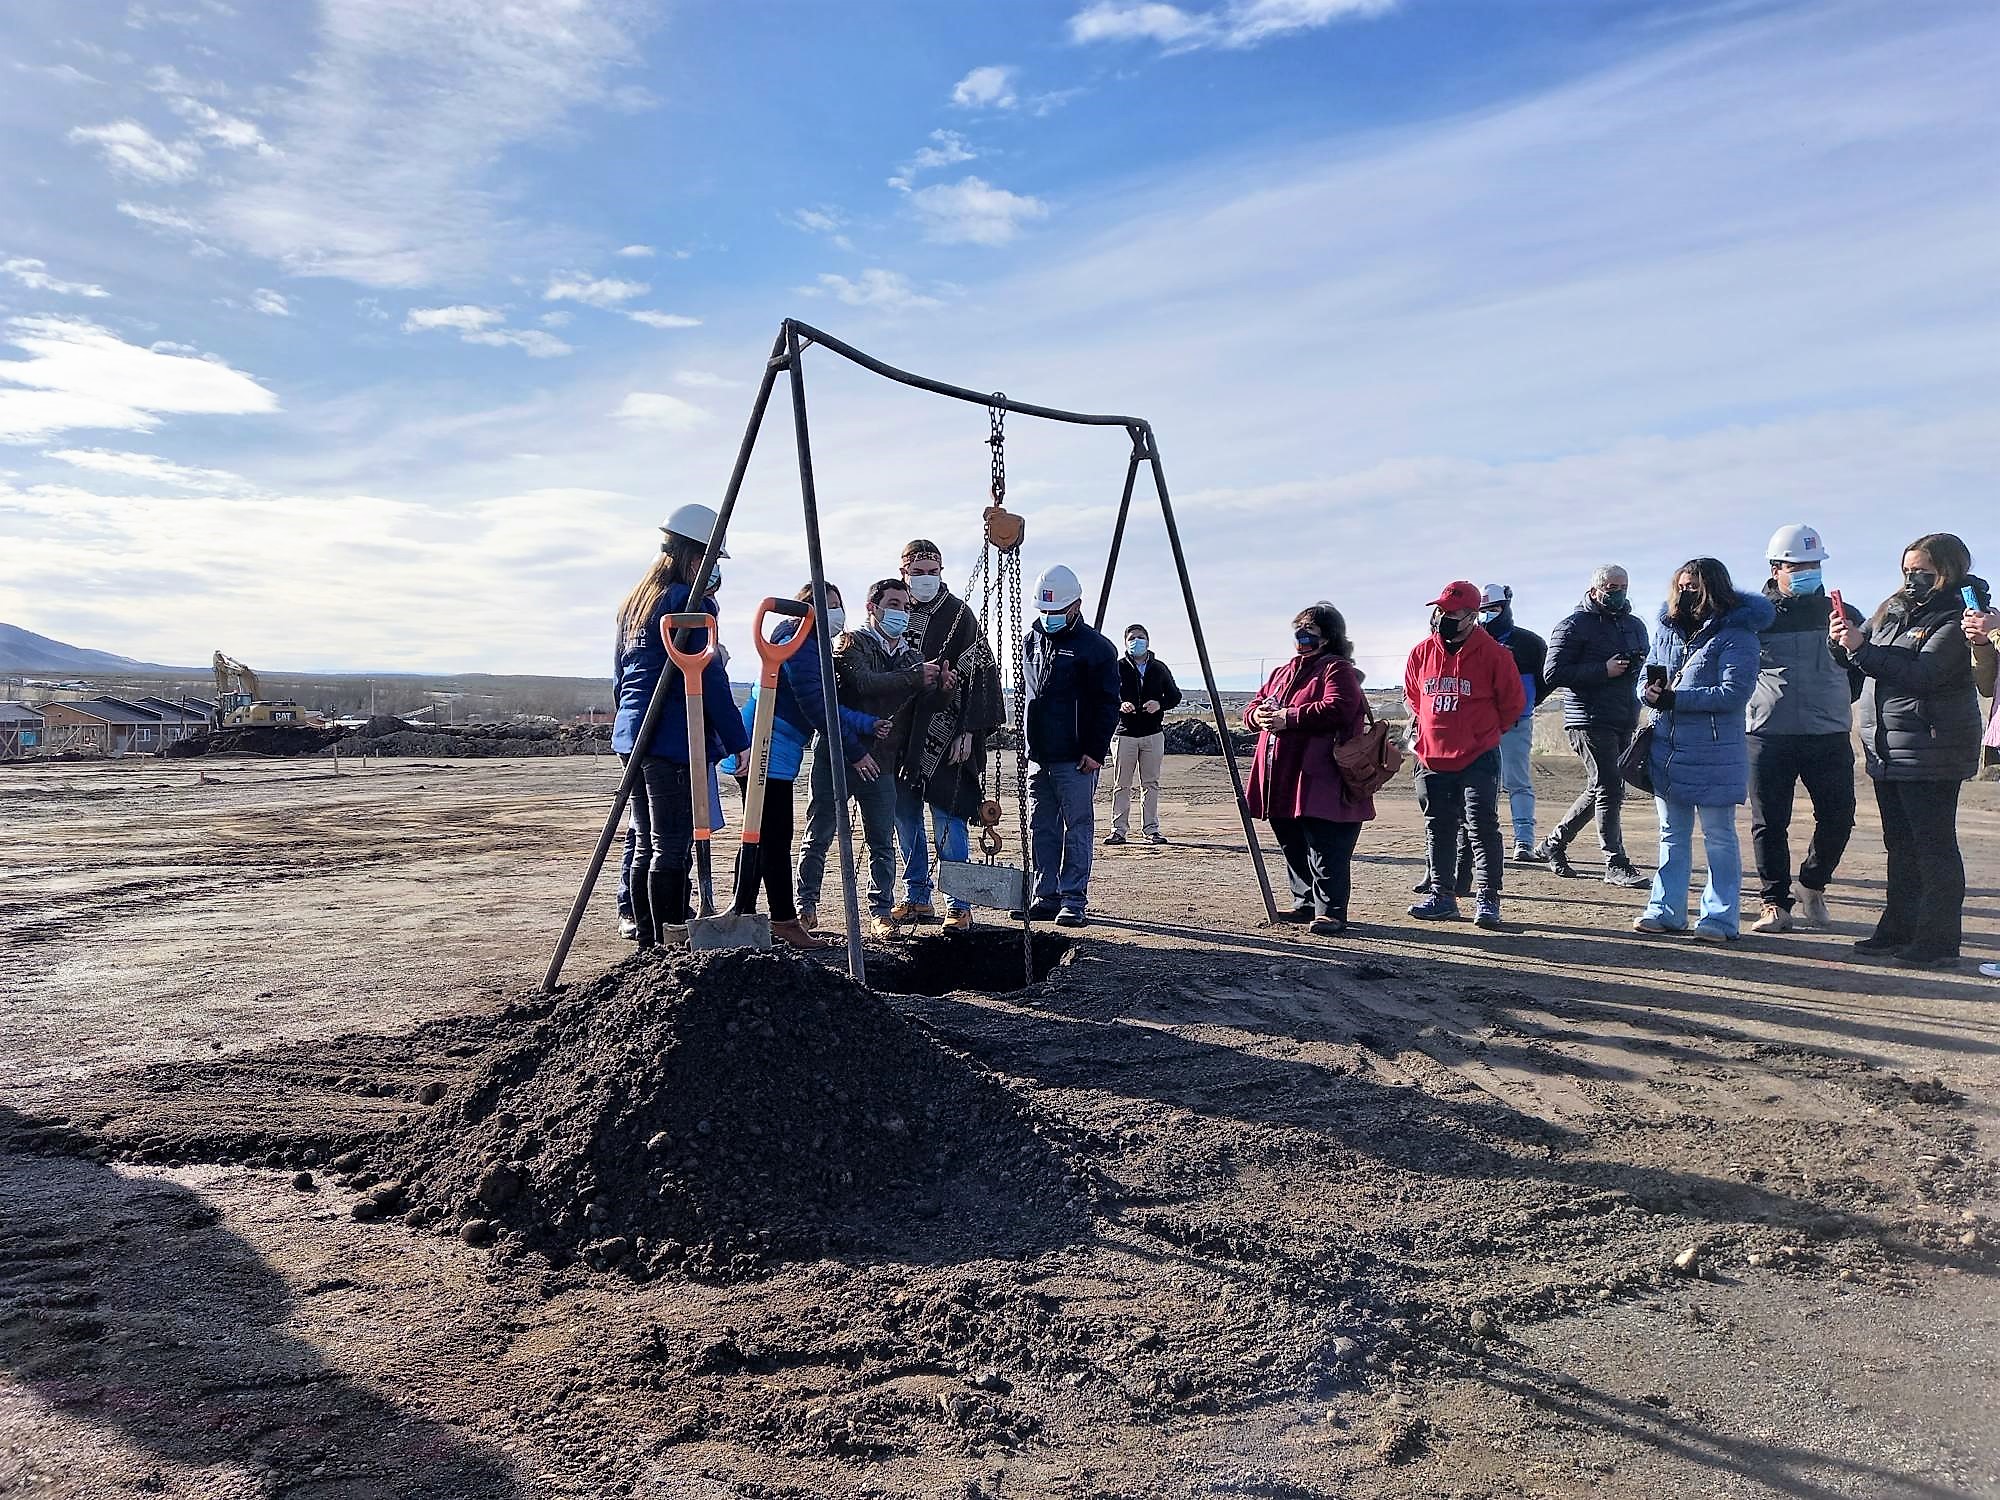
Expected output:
{"points": [[260, 739], [1198, 737], [383, 735], [710, 1114]]}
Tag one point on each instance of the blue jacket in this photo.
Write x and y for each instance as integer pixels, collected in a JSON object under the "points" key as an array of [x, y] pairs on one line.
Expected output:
{"points": [[801, 713], [1701, 754], [1072, 698], [642, 661]]}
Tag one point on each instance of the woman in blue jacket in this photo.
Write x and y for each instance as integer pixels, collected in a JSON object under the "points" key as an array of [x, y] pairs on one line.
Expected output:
{"points": [[800, 713], [1707, 649], [662, 808]]}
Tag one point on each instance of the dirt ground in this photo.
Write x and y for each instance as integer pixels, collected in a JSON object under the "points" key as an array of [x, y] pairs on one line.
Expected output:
{"points": [[1424, 1211]]}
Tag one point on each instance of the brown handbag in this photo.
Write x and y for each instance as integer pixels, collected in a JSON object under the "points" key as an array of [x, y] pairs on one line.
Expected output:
{"points": [[1369, 759]]}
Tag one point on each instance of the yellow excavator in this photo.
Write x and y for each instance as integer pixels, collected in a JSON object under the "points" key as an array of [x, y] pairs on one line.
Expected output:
{"points": [[239, 701]]}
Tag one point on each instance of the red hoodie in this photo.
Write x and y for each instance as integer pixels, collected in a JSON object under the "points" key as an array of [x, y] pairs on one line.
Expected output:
{"points": [[1462, 700]]}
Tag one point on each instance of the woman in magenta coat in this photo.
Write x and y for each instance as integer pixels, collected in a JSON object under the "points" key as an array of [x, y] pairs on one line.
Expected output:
{"points": [[1309, 705]]}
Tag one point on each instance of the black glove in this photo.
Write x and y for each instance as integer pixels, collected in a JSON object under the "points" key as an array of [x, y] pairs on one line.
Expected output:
{"points": [[1665, 701]]}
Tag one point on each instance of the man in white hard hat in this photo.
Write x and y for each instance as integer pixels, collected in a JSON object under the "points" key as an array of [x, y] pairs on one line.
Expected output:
{"points": [[1068, 718], [1799, 721]]}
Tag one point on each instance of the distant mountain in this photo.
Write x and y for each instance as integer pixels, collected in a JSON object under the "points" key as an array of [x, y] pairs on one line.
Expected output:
{"points": [[24, 651]]}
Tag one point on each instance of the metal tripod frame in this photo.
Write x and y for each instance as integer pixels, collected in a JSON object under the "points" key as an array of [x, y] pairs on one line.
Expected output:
{"points": [[794, 338]]}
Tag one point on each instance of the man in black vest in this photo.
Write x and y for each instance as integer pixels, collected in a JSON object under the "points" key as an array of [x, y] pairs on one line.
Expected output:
{"points": [[1146, 692]]}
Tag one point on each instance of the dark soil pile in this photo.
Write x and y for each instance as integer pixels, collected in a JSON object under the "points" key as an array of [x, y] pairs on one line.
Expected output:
{"points": [[708, 1114], [387, 736], [259, 739]]}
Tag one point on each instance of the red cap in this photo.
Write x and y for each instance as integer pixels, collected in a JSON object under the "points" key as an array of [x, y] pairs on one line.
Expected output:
{"points": [[1457, 596]]}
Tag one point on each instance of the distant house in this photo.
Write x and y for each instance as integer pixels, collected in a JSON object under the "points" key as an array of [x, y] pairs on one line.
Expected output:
{"points": [[595, 716], [208, 712], [20, 731], [177, 720], [74, 729]]}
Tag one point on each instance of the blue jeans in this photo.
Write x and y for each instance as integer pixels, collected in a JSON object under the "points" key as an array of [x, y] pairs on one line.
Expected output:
{"points": [[1062, 807], [877, 801], [1517, 777], [1722, 895], [948, 834]]}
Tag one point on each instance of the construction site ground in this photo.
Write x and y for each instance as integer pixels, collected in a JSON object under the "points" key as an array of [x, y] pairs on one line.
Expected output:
{"points": [[1425, 1211]]}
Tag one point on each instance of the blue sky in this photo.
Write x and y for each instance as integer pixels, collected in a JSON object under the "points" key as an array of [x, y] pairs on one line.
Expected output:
{"points": [[380, 333]]}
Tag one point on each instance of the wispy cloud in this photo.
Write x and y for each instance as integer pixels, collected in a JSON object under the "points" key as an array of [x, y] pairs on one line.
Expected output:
{"points": [[947, 148], [271, 304], [660, 319], [637, 252], [656, 409], [484, 325], [79, 375], [530, 341], [386, 149], [61, 72], [704, 380], [1244, 23], [463, 317], [889, 290], [34, 275], [212, 125], [605, 291], [990, 87], [147, 466], [131, 149], [972, 211]]}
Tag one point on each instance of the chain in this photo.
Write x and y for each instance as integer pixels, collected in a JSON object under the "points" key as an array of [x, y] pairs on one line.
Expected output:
{"points": [[996, 415]]}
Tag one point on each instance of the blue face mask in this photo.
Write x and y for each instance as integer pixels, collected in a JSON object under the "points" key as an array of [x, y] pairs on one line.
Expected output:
{"points": [[894, 622], [1136, 646], [1055, 624], [714, 580], [1806, 580]]}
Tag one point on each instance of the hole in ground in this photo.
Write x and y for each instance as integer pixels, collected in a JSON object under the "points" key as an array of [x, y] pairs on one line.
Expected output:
{"points": [[988, 962]]}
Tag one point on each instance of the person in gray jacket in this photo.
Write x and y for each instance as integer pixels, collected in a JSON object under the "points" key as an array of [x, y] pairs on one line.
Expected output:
{"points": [[1800, 718]]}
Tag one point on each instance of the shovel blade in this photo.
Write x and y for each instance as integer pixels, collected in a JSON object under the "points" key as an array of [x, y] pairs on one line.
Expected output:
{"points": [[730, 930]]}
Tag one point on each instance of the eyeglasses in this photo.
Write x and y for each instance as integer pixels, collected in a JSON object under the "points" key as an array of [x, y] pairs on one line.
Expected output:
{"points": [[1779, 563]]}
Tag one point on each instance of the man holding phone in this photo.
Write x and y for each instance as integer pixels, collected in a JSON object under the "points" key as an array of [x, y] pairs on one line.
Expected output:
{"points": [[1594, 657], [1800, 719]]}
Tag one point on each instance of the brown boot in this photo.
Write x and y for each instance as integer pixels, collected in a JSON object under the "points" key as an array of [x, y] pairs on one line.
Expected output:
{"points": [[794, 935]]}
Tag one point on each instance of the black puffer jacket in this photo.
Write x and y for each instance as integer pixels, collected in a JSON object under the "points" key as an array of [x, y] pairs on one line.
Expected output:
{"points": [[1578, 650], [1919, 716]]}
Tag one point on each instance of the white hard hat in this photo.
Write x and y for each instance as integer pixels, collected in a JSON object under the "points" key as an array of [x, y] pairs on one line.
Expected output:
{"points": [[695, 522], [1795, 544], [1494, 593], [1056, 589]]}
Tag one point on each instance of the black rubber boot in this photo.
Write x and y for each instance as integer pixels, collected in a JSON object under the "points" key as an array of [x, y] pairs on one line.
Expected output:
{"points": [[642, 906]]}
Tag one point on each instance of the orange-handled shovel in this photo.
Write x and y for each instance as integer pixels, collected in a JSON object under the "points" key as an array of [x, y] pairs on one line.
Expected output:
{"points": [[692, 665]]}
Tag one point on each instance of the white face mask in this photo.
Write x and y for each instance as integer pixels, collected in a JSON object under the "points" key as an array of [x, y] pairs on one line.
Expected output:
{"points": [[925, 587], [836, 618]]}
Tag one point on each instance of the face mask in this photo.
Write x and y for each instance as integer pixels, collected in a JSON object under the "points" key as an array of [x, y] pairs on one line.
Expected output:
{"points": [[1918, 584], [925, 587], [894, 622], [1056, 623], [1450, 630], [1490, 617], [1136, 646], [1805, 580], [836, 618], [1614, 599], [1308, 642], [714, 580]]}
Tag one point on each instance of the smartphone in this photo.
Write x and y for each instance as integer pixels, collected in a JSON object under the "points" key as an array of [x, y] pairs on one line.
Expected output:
{"points": [[1838, 607], [1971, 599], [1655, 673]]}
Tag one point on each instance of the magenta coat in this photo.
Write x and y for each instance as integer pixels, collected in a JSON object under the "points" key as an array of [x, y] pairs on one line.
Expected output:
{"points": [[1293, 774]]}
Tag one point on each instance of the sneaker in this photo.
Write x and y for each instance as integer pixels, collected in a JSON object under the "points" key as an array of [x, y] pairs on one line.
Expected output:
{"points": [[1040, 911], [1524, 854], [628, 929], [959, 921], [1774, 919], [913, 911], [1923, 958], [1655, 927], [1328, 926], [1071, 916], [1713, 935], [1486, 913], [1156, 838], [1114, 839], [1812, 910], [884, 929], [1549, 852], [1619, 872], [1435, 908], [1991, 971], [1298, 914]]}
